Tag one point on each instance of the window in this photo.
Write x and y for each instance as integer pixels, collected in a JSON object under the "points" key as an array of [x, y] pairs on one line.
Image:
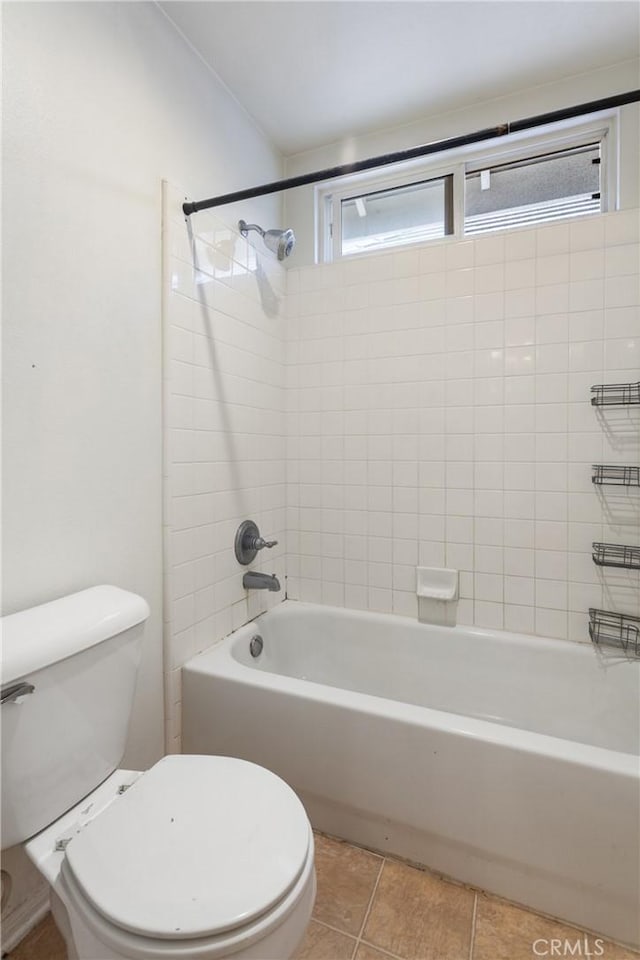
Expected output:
{"points": [[534, 190], [518, 181], [389, 218]]}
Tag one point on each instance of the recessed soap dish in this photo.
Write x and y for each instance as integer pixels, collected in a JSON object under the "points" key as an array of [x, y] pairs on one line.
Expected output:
{"points": [[437, 590], [438, 583]]}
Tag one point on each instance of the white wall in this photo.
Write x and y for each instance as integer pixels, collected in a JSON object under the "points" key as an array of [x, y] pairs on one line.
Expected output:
{"points": [[618, 78], [439, 415], [225, 426], [101, 101]]}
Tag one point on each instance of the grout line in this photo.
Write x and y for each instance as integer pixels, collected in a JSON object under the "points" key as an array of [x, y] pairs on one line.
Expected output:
{"points": [[473, 926], [371, 898], [369, 906], [356, 947], [343, 933], [381, 950]]}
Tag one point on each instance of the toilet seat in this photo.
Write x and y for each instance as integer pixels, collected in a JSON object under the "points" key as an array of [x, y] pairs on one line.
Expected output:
{"points": [[196, 847], [282, 927]]}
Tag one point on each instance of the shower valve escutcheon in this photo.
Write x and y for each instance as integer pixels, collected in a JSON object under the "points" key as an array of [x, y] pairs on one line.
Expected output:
{"points": [[248, 541]]}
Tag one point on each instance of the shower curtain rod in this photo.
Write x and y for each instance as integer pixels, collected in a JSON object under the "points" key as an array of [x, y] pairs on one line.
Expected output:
{"points": [[437, 146]]}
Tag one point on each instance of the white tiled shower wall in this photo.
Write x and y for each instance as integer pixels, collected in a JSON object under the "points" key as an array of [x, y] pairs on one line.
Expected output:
{"points": [[225, 446], [425, 407], [439, 415]]}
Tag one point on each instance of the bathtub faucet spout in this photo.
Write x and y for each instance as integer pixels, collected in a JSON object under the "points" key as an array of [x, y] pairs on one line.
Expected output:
{"points": [[253, 580]]}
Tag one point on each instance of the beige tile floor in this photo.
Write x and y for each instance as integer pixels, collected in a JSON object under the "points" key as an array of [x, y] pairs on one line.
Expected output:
{"points": [[374, 908]]}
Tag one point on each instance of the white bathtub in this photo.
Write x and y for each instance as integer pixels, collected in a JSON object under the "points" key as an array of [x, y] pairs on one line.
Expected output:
{"points": [[504, 761]]}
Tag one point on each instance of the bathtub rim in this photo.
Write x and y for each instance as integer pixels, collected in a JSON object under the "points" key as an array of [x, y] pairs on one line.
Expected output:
{"points": [[289, 607], [219, 660]]}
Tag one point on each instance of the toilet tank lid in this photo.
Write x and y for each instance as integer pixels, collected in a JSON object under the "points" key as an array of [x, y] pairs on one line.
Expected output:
{"points": [[40, 636]]}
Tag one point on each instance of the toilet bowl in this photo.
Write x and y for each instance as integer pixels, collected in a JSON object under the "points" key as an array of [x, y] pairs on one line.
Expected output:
{"points": [[199, 857]]}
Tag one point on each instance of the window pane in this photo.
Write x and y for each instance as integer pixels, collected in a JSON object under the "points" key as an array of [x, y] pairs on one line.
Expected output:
{"points": [[389, 218], [537, 190]]}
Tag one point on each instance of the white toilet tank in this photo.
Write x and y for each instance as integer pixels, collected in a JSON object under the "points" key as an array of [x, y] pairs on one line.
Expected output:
{"points": [[60, 740]]}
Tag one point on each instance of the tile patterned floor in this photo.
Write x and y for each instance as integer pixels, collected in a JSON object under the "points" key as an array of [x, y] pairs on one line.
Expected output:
{"points": [[374, 908], [370, 907]]}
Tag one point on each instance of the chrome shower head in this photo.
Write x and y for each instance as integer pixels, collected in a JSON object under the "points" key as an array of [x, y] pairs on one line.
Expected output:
{"points": [[280, 242]]}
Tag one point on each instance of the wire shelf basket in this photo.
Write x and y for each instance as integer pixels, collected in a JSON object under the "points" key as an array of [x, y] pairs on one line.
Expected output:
{"points": [[616, 555], [616, 394], [618, 630], [622, 476]]}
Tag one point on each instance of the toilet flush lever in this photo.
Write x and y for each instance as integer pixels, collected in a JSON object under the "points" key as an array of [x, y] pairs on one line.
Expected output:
{"points": [[13, 691]]}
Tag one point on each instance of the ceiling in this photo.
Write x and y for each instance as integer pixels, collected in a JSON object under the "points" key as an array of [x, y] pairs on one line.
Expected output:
{"points": [[311, 73]]}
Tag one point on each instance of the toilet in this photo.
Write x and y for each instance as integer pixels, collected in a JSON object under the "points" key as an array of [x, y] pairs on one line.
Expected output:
{"points": [[198, 857]]}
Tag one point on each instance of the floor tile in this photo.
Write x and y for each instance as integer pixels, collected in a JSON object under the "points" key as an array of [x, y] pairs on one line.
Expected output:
{"points": [[419, 917], [506, 932], [414, 916], [44, 942], [322, 943], [346, 879], [365, 952]]}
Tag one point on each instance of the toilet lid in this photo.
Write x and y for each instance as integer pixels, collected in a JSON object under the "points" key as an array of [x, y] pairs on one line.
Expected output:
{"points": [[197, 846]]}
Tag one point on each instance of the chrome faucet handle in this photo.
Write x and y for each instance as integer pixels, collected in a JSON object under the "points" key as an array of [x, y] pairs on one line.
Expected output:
{"points": [[259, 543]]}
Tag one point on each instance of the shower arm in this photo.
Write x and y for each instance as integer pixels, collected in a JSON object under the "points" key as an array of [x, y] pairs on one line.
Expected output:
{"points": [[437, 146], [245, 227]]}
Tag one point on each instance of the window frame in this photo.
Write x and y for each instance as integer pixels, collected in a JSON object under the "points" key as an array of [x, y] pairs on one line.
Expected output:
{"points": [[600, 128], [446, 181]]}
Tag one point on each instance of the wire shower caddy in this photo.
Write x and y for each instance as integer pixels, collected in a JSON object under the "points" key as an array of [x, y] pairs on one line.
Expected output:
{"points": [[616, 555], [616, 474], [616, 394], [616, 630]]}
